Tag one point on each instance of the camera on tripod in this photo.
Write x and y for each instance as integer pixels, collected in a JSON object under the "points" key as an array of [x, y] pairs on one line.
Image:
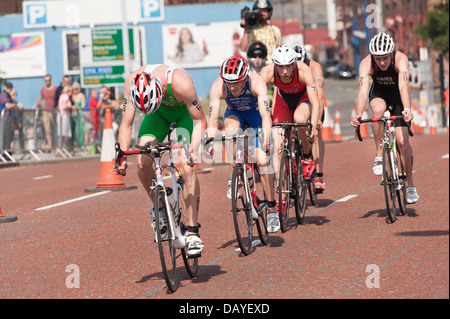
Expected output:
{"points": [[252, 18]]}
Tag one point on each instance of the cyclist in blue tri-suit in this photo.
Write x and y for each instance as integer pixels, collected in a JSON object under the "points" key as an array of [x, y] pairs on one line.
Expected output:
{"points": [[245, 94]]}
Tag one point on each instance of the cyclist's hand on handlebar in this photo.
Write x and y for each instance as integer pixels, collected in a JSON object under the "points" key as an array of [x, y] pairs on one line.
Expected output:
{"points": [[314, 135], [122, 168], [407, 115], [354, 120]]}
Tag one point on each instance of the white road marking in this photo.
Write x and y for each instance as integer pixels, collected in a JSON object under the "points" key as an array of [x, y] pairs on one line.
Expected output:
{"points": [[72, 200], [445, 156], [42, 177], [346, 198]]}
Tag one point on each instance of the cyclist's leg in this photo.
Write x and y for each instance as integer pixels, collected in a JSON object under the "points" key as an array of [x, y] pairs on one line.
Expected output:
{"points": [[301, 115], [402, 137], [154, 128], [378, 106], [281, 113], [234, 124], [318, 151]]}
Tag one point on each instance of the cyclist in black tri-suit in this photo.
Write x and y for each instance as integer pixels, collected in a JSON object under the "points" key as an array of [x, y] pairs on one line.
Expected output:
{"points": [[390, 74]]}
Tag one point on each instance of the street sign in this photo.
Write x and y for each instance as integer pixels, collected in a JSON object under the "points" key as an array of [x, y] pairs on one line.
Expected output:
{"points": [[107, 45], [96, 76]]}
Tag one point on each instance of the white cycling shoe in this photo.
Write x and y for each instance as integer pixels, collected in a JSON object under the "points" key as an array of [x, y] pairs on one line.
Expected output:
{"points": [[194, 245], [273, 222], [411, 195], [378, 166]]}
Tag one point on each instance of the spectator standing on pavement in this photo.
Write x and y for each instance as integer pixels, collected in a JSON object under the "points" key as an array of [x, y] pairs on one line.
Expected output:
{"points": [[79, 131], [65, 82], [6, 107], [48, 93], [17, 119], [94, 112], [65, 110]]}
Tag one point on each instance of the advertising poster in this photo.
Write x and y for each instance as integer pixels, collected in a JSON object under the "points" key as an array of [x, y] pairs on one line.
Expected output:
{"points": [[199, 46], [22, 55]]}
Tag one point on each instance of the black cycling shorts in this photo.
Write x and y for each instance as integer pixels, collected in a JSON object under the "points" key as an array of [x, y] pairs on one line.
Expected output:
{"points": [[393, 102]]}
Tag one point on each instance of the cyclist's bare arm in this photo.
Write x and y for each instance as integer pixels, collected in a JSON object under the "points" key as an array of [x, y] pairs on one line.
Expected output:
{"points": [[365, 72], [185, 92], [401, 63], [317, 71], [216, 94], [305, 75], [259, 89], [267, 74]]}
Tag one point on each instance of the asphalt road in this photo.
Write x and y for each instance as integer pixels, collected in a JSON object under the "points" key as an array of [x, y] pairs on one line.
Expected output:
{"points": [[345, 246]]}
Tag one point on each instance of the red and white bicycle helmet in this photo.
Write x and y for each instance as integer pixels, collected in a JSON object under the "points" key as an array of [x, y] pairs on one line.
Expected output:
{"points": [[234, 69], [382, 44], [146, 92], [284, 55]]}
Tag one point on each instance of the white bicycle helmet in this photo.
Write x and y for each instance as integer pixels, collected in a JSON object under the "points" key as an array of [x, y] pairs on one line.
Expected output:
{"points": [[382, 44], [284, 55], [302, 54], [234, 69], [146, 92]]}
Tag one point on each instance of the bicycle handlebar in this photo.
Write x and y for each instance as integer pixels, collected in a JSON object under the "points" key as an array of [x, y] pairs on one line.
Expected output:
{"points": [[382, 119], [150, 149]]}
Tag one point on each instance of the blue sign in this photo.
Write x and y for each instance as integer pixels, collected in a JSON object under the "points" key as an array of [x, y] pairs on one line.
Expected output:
{"points": [[152, 9], [36, 14]]}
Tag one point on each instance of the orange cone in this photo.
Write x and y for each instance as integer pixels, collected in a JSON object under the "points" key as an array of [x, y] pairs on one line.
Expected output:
{"points": [[337, 126], [7, 218], [107, 179], [433, 130], [327, 131]]}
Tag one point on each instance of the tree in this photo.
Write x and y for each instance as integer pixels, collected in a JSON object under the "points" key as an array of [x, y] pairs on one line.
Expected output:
{"points": [[436, 28]]}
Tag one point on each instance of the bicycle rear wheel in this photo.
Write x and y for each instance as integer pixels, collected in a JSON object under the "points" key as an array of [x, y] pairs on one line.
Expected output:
{"points": [[243, 223], [190, 263], [166, 246], [389, 184], [284, 191], [312, 193], [300, 200], [261, 207]]}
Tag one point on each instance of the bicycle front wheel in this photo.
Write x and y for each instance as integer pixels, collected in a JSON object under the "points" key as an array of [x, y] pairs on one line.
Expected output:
{"points": [[243, 223], [284, 191], [190, 263], [389, 184], [401, 193], [300, 200], [164, 237], [261, 206]]}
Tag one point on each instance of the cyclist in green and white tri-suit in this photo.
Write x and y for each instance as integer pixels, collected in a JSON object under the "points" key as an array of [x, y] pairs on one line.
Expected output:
{"points": [[166, 94]]}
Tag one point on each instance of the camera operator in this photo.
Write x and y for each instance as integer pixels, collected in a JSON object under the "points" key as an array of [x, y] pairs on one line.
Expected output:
{"points": [[258, 28]]}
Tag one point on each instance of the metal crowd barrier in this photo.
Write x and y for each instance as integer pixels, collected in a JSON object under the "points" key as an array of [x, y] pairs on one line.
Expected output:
{"points": [[23, 136]]}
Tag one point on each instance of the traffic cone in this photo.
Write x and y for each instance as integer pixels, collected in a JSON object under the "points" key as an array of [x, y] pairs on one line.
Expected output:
{"points": [[363, 127], [337, 126], [107, 179], [327, 131], [7, 218], [433, 123]]}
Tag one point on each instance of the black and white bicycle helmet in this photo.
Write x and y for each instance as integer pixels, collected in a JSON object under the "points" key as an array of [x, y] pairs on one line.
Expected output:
{"points": [[284, 55], [234, 69], [146, 92], [302, 54], [382, 44]]}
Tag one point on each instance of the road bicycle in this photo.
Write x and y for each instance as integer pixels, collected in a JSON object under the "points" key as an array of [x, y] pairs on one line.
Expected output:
{"points": [[394, 174], [169, 206], [291, 183], [248, 199]]}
